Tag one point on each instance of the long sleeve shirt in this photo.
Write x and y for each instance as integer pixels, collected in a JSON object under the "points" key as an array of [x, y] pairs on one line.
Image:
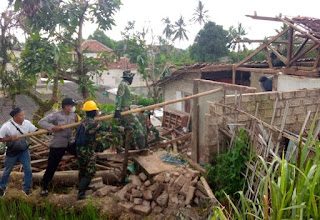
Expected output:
{"points": [[61, 138]]}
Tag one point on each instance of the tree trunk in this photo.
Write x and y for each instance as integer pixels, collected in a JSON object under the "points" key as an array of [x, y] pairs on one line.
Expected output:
{"points": [[70, 178]]}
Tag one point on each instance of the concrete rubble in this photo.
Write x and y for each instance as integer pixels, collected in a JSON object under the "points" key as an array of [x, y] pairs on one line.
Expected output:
{"points": [[163, 194]]}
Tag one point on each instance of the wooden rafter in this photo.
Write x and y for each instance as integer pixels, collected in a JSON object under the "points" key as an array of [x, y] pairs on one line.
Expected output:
{"points": [[261, 47], [268, 58], [299, 30], [315, 46], [265, 41], [289, 46], [263, 18], [316, 62], [282, 58], [301, 47]]}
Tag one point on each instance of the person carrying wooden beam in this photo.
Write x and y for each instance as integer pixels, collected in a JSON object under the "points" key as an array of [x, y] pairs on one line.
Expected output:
{"points": [[123, 102]]}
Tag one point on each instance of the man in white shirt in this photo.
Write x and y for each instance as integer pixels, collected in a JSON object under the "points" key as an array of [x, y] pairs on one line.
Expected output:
{"points": [[17, 148]]}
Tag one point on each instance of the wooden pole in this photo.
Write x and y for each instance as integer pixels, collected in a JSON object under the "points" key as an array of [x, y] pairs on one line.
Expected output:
{"points": [[126, 157], [43, 131], [195, 124]]}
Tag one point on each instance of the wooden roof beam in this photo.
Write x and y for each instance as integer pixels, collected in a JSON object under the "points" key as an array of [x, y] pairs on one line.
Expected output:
{"points": [[282, 58], [263, 18], [261, 47], [315, 46], [299, 30], [289, 46], [264, 41]]}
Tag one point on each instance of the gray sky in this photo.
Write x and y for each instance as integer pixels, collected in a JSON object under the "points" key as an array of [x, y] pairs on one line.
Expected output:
{"points": [[222, 12]]}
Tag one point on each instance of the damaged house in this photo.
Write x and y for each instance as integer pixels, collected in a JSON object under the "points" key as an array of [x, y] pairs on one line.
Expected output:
{"points": [[295, 89]]}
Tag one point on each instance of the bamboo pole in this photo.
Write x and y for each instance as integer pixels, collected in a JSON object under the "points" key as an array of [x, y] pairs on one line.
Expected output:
{"points": [[150, 107]]}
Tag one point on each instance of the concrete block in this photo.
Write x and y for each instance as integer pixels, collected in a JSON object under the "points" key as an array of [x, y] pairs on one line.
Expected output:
{"points": [[146, 203], [135, 180], [158, 191], [180, 181], [194, 173], [307, 101], [141, 209], [127, 206], [153, 204], [185, 188], [313, 92], [288, 95], [300, 93], [162, 200], [312, 108], [147, 194], [190, 195], [147, 183], [159, 178], [137, 201], [106, 190], [291, 119], [248, 98], [136, 193], [295, 102], [97, 183], [194, 181], [121, 194], [157, 209], [299, 110], [142, 176], [153, 187]]}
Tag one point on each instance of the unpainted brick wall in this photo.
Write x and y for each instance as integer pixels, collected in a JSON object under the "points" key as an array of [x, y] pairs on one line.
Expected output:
{"points": [[299, 102]]}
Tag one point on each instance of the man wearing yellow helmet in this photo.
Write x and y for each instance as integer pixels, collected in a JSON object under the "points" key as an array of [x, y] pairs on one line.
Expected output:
{"points": [[86, 145]]}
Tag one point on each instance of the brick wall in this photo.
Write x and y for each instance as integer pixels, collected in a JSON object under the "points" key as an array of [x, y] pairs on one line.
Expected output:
{"points": [[299, 103]]}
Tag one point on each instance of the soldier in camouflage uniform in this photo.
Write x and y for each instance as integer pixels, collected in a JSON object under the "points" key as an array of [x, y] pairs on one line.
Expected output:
{"points": [[86, 153], [144, 118], [123, 102]]}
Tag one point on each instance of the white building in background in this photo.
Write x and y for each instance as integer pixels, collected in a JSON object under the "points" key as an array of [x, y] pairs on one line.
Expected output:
{"points": [[112, 77]]}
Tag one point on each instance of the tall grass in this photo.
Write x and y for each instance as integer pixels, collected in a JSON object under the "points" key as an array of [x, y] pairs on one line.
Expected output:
{"points": [[288, 190], [14, 209]]}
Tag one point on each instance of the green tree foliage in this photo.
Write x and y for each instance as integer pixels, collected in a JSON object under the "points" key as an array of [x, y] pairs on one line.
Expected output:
{"points": [[63, 21], [179, 30], [210, 43], [168, 30], [200, 14], [100, 36], [224, 174]]}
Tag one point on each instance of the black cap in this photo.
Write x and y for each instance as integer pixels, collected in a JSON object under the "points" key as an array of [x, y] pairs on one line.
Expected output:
{"points": [[263, 79], [68, 101], [15, 111]]}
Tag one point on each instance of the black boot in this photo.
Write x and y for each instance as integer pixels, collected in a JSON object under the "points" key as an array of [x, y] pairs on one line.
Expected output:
{"points": [[83, 185], [141, 142]]}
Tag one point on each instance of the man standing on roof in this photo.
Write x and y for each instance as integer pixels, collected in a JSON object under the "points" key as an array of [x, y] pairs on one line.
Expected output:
{"points": [[61, 140], [86, 145], [17, 148], [123, 102]]}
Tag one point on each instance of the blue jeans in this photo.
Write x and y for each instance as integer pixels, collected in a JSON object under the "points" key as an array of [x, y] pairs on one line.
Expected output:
{"points": [[24, 158]]}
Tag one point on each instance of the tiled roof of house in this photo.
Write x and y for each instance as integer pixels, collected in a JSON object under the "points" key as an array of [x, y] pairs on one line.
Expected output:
{"points": [[94, 46], [312, 24], [123, 63]]}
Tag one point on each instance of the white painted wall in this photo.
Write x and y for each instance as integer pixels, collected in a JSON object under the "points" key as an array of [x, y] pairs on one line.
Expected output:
{"points": [[289, 83]]}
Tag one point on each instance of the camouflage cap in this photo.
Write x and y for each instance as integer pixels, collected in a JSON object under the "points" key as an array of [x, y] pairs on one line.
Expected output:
{"points": [[127, 73]]}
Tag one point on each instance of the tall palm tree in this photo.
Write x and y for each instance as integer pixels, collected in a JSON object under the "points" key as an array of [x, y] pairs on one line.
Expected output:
{"points": [[180, 31], [237, 34], [168, 30], [200, 15]]}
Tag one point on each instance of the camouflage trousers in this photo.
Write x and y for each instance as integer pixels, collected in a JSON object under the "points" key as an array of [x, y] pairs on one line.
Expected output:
{"points": [[87, 161], [132, 121]]}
